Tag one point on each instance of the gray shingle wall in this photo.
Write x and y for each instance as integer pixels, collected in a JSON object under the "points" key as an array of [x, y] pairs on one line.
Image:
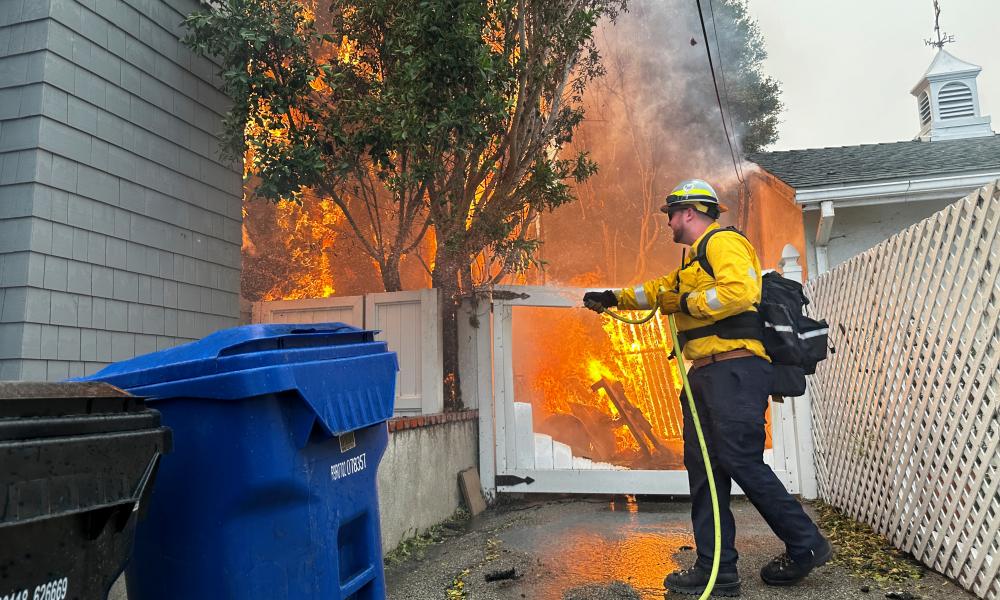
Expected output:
{"points": [[120, 228]]}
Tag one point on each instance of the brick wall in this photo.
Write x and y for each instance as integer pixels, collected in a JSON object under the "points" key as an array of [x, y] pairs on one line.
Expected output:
{"points": [[120, 228]]}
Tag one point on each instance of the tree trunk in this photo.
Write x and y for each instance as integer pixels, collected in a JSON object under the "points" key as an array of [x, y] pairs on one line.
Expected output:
{"points": [[445, 280], [391, 280]]}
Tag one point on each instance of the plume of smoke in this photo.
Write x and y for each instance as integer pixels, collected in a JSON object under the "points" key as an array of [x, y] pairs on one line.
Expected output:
{"points": [[651, 121]]}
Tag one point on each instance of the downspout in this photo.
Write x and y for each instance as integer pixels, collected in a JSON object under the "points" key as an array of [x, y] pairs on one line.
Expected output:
{"points": [[823, 230]]}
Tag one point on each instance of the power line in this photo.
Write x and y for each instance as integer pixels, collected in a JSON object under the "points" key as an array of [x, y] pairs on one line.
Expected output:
{"points": [[718, 96], [722, 75]]}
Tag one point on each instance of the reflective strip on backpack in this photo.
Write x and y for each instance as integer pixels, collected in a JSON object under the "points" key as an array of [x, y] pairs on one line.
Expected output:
{"points": [[712, 297], [814, 333], [640, 297], [802, 336]]}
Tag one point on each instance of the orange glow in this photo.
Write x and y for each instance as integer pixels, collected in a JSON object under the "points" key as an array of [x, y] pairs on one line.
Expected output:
{"points": [[319, 84], [642, 559], [583, 556], [312, 231], [560, 354]]}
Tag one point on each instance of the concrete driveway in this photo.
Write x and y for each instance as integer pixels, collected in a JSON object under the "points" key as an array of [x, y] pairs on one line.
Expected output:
{"points": [[604, 549]]}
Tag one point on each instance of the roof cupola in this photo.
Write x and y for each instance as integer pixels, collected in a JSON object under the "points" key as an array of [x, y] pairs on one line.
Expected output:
{"points": [[948, 100]]}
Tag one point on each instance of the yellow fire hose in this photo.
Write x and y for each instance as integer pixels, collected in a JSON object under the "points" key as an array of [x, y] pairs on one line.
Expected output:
{"points": [[701, 440]]}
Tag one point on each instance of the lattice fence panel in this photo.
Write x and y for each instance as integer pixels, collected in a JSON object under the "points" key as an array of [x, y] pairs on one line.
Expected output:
{"points": [[905, 412]]}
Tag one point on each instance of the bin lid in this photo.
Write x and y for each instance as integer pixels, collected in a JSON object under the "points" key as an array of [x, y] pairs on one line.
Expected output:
{"points": [[70, 448], [241, 348], [342, 372], [35, 409]]}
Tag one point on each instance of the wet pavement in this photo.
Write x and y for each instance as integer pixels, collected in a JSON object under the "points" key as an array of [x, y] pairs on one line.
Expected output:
{"points": [[606, 549]]}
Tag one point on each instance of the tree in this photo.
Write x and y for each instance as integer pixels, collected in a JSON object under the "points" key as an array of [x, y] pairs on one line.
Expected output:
{"points": [[449, 114], [753, 97]]}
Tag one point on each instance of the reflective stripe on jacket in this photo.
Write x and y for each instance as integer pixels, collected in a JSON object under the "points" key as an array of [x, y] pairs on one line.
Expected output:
{"points": [[734, 289]]}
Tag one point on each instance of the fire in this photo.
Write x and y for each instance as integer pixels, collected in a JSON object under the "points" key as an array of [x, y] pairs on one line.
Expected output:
{"points": [[575, 356], [313, 230], [610, 390], [288, 246], [596, 369]]}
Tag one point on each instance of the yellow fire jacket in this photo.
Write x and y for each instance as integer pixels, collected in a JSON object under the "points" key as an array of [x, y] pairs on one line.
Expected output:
{"points": [[734, 289]]}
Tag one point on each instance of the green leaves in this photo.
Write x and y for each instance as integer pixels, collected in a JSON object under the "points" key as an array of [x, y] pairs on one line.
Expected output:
{"points": [[403, 111], [754, 98]]}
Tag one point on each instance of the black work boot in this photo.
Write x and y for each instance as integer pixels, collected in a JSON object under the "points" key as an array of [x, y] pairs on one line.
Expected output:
{"points": [[694, 580], [784, 570]]}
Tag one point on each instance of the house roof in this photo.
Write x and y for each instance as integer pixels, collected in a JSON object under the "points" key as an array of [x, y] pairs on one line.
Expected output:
{"points": [[819, 167]]}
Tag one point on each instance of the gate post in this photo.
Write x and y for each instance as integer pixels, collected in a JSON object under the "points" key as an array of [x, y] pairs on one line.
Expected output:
{"points": [[475, 365], [801, 406]]}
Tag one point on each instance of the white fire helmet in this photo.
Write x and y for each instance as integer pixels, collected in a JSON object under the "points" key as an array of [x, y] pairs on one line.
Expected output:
{"points": [[698, 193]]}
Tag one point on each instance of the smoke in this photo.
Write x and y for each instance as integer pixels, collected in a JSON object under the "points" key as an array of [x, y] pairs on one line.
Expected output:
{"points": [[652, 121]]}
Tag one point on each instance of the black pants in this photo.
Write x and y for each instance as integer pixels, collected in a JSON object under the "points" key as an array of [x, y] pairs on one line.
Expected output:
{"points": [[731, 397]]}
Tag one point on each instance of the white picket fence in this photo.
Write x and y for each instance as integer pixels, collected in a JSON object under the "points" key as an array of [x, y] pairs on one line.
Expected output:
{"points": [[905, 413], [408, 322]]}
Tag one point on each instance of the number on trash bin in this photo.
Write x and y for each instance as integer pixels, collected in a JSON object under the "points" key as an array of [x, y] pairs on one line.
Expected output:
{"points": [[53, 590], [349, 466]]}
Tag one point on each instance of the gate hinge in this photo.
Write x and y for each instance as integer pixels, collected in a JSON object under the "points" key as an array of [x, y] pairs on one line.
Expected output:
{"points": [[513, 480]]}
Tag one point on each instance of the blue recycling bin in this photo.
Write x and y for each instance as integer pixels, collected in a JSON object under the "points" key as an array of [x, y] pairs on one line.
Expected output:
{"points": [[270, 492]]}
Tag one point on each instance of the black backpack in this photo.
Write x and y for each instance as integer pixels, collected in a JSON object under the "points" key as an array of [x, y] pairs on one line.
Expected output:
{"points": [[794, 341]]}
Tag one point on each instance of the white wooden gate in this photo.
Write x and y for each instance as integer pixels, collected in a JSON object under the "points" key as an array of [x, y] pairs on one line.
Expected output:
{"points": [[408, 322], [907, 411], [512, 453]]}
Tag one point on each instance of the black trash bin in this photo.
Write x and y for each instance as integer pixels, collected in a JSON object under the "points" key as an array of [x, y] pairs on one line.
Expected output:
{"points": [[77, 463]]}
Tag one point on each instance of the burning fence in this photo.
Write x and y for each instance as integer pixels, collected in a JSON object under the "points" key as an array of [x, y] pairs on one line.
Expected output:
{"points": [[608, 390]]}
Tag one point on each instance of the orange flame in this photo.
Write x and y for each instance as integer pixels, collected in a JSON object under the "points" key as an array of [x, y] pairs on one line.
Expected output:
{"points": [[573, 352]]}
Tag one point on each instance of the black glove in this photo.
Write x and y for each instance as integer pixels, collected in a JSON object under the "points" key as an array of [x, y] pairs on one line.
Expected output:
{"points": [[600, 301]]}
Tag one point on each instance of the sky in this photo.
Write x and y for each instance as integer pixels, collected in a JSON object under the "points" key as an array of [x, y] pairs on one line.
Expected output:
{"points": [[847, 66]]}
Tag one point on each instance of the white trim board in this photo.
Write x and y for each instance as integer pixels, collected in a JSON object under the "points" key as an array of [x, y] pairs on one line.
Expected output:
{"points": [[952, 187]]}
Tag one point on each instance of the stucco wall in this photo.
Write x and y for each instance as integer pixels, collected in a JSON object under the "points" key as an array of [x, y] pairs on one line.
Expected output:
{"points": [[859, 228], [775, 219], [119, 226], [418, 477]]}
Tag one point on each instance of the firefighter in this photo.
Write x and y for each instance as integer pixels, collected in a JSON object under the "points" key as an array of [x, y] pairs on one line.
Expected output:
{"points": [[713, 296]]}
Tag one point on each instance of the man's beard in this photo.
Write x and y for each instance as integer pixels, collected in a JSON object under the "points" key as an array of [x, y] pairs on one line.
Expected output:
{"points": [[677, 235]]}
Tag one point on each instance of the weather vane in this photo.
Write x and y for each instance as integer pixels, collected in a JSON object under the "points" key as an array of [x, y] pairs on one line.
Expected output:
{"points": [[942, 39]]}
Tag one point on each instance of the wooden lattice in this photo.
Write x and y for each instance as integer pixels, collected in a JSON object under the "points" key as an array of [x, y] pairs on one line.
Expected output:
{"points": [[905, 411]]}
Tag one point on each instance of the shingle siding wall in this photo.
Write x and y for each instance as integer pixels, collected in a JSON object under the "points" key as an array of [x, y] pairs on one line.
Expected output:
{"points": [[120, 228]]}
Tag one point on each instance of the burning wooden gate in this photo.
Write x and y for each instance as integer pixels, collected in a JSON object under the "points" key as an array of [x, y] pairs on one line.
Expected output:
{"points": [[583, 404]]}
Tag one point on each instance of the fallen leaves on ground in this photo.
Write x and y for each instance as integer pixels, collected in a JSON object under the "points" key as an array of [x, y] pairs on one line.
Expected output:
{"points": [[456, 590], [492, 549], [864, 552], [434, 535]]}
